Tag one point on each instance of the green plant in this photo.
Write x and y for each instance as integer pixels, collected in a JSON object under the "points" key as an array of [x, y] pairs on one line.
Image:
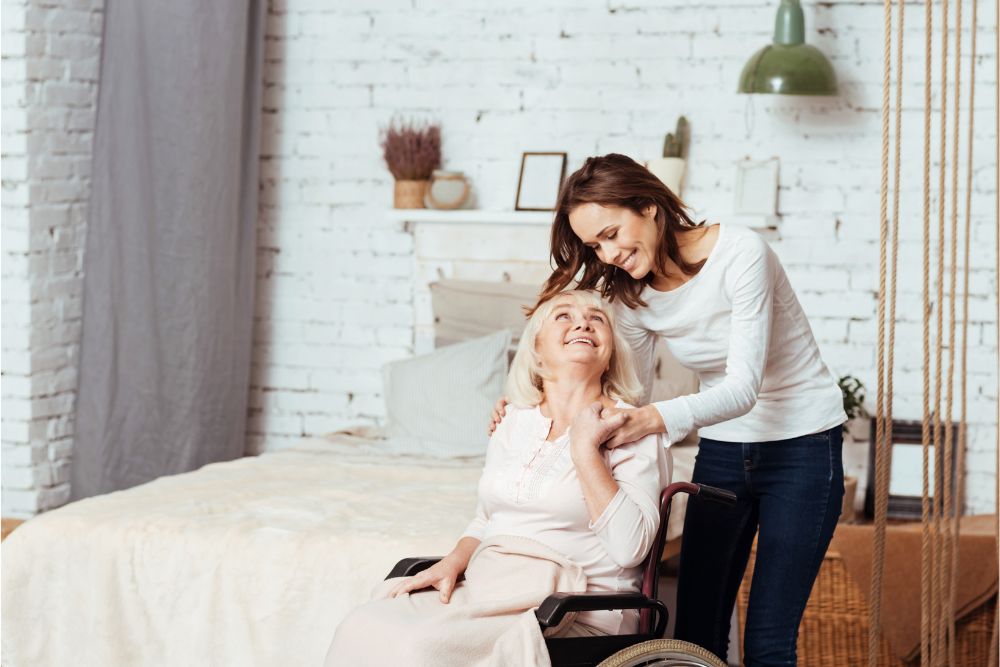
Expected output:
{"points": [[412, 150], [676, 143], [853, 391]]}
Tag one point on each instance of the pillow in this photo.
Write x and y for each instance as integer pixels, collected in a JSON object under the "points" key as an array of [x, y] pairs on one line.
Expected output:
{"points": [[439, 404], [466, 309]]}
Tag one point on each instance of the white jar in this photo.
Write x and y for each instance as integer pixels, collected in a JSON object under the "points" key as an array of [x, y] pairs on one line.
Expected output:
{"points": [[447, 190], [670, 170]]}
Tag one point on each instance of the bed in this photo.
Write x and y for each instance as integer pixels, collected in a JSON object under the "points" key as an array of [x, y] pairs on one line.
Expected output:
{"points": [[248, 562]]}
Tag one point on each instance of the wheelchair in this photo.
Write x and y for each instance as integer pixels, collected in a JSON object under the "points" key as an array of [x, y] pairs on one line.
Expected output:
{"points": [[646, 647]]}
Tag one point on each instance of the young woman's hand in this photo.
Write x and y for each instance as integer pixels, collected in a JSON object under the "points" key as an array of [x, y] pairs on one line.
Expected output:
{"points": [[639, 423], [499, 410], [593, 426], [442, 575]]}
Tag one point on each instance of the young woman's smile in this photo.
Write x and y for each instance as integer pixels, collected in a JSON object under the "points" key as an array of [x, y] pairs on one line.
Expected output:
{"points": [[618, 236]]}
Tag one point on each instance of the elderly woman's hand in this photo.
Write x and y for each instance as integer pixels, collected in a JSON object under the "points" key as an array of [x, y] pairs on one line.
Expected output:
{"points": [[442, 575], [498, 413], [593, 426], [639, 423]]}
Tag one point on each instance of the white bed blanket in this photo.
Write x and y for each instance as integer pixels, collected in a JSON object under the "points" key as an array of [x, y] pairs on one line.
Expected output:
{"points": [[250, 562]]}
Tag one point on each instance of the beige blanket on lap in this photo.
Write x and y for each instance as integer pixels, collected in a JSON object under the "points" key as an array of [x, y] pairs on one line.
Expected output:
{"points": [[490, 619]]}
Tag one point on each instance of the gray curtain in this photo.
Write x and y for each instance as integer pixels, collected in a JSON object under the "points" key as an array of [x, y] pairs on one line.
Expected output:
{"points": [[169, 260]]}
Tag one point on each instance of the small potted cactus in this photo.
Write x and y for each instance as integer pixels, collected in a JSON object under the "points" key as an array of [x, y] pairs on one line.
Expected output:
{"points": [[670, 167], [412, 152]]}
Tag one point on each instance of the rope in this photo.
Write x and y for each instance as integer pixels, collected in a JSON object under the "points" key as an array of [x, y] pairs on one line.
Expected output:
{"points": [[925, 545], [941, 509], [994, 644], [884, 402], [951, 512], [937, 592], [885, 472], [895, 256]]}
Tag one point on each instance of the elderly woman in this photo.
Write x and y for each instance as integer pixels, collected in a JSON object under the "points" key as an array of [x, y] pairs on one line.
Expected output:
{"points": [[555, 509]]}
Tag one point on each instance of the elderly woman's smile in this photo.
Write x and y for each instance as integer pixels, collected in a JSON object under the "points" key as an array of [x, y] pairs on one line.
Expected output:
{"points": [[575, 335], [582, 339]]}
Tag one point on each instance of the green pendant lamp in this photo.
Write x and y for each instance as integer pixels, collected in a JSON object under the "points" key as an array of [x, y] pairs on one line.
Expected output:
{"points": [[789, 66]]}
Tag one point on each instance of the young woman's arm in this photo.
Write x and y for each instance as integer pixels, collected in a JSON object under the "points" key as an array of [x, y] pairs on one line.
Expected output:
{"points": [[642, 342], [749, 285]]}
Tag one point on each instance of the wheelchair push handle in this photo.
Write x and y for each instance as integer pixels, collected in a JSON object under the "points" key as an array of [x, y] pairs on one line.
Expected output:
{"points": [[716, 494]]}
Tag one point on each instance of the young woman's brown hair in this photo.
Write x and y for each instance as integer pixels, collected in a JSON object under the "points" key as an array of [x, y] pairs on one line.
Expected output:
{"points": [[614, 180]]}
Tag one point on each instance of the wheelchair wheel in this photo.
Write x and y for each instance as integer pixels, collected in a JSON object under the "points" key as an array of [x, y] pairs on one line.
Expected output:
{"points": [[663, 653]]}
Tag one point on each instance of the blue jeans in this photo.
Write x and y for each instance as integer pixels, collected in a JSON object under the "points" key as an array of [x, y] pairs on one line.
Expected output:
{"points": [[791, 491]]}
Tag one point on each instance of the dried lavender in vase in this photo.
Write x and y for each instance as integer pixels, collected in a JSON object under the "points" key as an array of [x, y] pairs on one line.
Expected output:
{"points": [[412, 151]]}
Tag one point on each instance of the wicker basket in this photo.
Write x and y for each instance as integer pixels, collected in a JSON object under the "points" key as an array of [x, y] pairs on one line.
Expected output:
{"points": [[834, 629]]}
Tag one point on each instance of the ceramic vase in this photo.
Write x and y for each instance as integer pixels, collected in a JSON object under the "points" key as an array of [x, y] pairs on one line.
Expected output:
{"points": [[447, 190], [670, 170], [409, 194]]}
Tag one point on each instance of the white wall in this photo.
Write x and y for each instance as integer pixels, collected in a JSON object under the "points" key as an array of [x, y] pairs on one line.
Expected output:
{"points": [[50, 65], [335, 277], [585, 77]]}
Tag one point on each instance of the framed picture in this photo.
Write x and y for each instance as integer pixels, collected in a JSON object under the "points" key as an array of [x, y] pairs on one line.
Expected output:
{"points": [[541, 177], [906, 475], [756, 188]]}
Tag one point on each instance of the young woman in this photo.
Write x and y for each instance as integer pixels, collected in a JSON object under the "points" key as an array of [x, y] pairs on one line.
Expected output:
{"points": [[769, 411], [547, 482]]}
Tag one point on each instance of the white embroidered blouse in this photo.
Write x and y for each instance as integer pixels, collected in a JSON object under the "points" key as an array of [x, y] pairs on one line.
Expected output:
{"points": [[529, 488]]}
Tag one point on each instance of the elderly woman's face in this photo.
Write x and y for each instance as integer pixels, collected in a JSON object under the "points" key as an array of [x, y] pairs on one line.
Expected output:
{"points": [[618, 236], [575, 333]]}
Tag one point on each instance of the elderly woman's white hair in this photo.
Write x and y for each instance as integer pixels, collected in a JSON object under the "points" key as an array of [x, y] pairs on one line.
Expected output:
{"points": [[524, 382]]}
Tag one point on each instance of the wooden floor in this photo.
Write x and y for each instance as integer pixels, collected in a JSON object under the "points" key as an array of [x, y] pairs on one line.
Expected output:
{"points": [[8, 525]]}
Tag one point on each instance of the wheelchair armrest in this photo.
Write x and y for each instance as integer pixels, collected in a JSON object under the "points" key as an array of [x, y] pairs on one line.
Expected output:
{"points": [[717, 495], [550, 613], [410, 566]]}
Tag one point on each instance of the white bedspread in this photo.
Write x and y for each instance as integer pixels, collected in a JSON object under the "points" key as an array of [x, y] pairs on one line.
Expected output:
{"points": [[250, 562]]}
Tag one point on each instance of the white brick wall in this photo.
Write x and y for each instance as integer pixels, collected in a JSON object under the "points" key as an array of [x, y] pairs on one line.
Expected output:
{"points": [[585, 77], [335, 276], [50, 65]]}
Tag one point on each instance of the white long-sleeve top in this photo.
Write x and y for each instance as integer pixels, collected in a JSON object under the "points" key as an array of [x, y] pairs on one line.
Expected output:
{"points": [[739, 326], [529, 488]]}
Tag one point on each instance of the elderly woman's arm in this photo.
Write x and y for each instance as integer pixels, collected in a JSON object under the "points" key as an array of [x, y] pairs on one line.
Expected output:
{"points": [[443, 575], [623, 502]]}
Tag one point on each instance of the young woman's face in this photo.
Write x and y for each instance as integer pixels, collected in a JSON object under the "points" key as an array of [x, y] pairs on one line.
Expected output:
{"points": [[618, 236], [575, 333]]}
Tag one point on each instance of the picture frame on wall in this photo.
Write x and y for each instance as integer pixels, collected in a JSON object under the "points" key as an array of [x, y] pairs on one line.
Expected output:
{"points": [[757, 188], [906, 472], [538, 184]]}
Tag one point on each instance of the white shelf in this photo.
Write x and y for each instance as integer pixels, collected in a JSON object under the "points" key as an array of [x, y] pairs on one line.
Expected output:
{"points": [[473, 216], [752, 221], [767, 226]]}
